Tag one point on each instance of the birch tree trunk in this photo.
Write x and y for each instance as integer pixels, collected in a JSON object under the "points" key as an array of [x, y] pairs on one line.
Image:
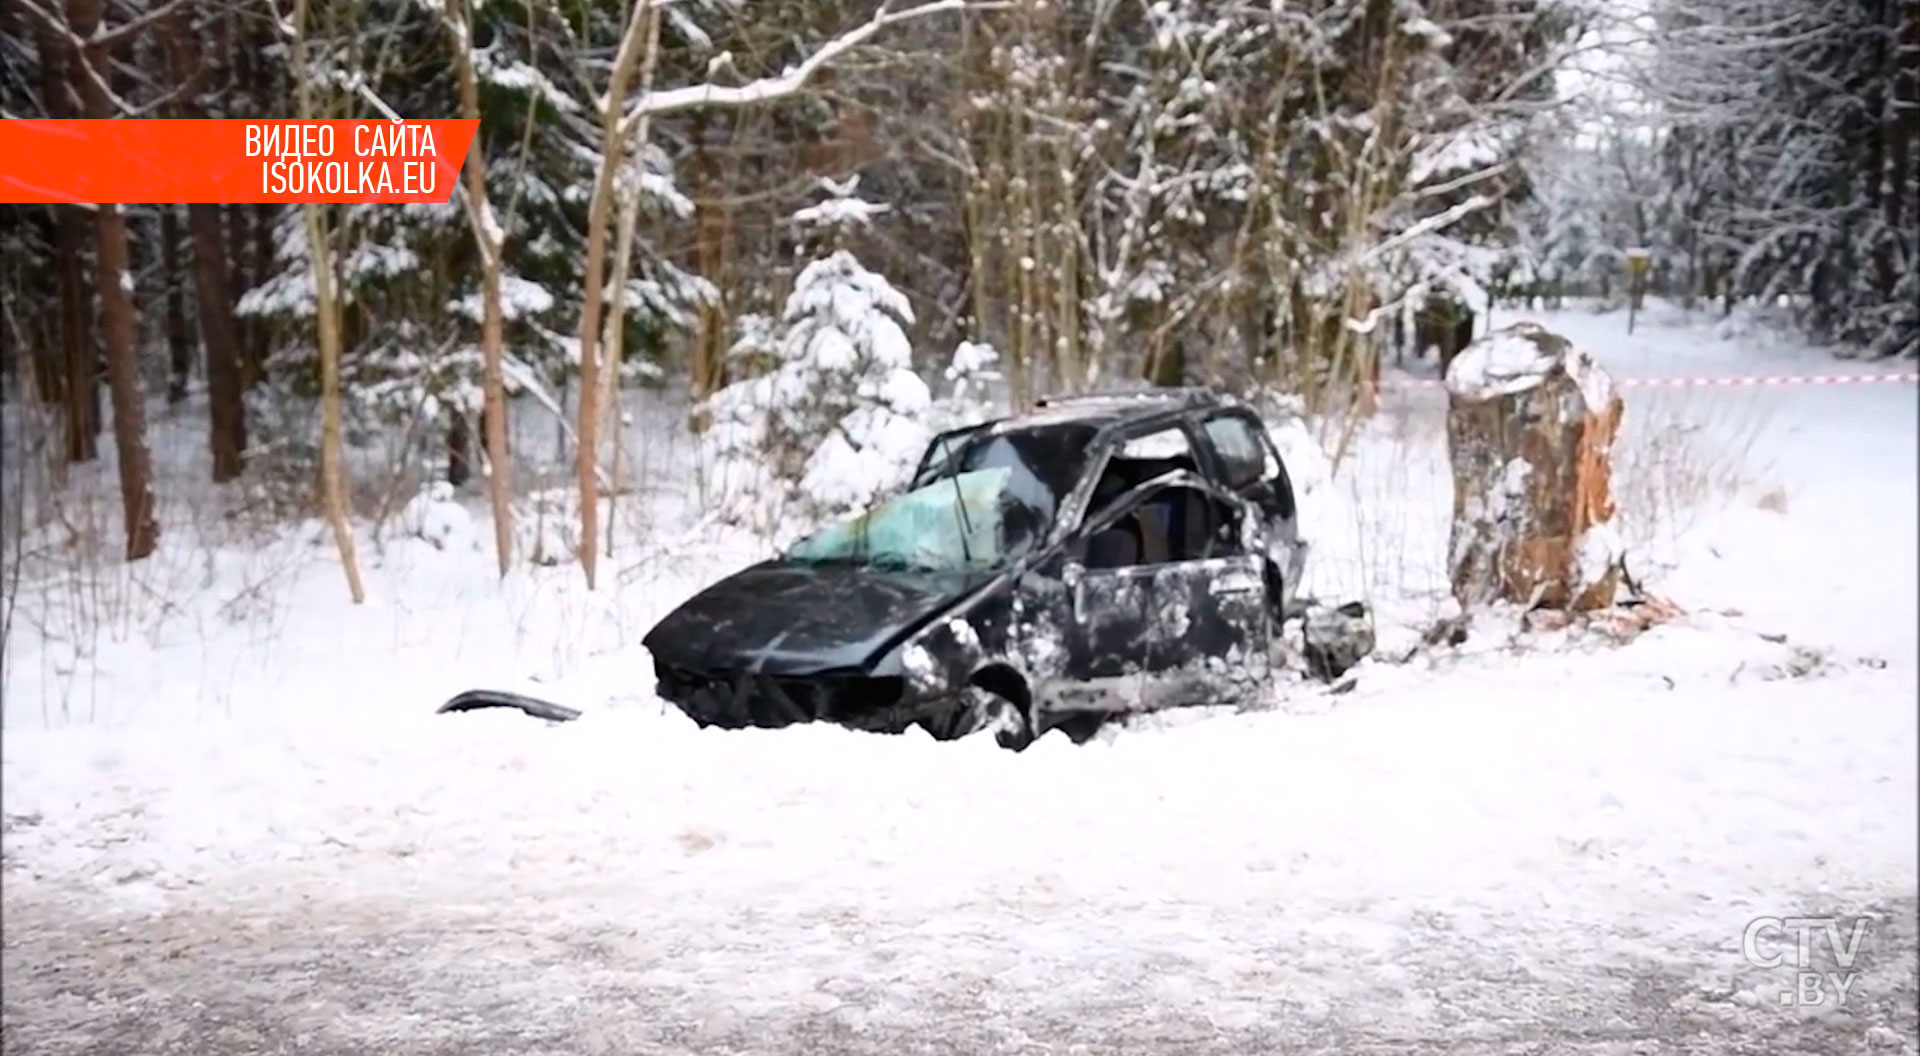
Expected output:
{"points": [[622, 254], [333, 484], [613, 130], [491, 240]]}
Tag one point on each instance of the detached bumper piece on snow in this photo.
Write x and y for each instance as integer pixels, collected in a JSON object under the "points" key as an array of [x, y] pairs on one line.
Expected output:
{"points": [[733, 700], [476, 699]]}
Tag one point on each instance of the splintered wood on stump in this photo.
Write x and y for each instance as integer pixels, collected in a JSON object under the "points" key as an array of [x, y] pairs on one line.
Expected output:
{"points": [[1530, 428]]}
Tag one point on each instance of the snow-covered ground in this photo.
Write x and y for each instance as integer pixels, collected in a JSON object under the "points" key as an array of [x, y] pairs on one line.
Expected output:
{"points": [[232, 824]]}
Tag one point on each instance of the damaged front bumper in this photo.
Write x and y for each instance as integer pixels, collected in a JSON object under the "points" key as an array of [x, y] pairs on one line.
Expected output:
{"points": [[738, 700]]}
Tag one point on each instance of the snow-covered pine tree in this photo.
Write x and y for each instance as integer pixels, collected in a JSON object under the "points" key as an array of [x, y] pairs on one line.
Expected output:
{"points": [[841, 416], [972, 376]]}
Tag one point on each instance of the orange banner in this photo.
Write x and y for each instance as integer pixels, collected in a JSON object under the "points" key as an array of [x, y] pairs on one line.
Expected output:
{"points": [[232, 161]]}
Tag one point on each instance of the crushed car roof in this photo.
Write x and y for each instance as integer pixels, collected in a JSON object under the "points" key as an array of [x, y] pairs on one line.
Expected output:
{"points": [[1105, 408]]}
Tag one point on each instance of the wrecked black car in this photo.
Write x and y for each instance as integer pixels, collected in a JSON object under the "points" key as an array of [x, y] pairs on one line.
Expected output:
{"points": [[1103, 555]]}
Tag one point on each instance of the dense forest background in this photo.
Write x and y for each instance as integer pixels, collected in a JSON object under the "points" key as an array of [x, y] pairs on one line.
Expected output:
{"points": [[685, 195]]}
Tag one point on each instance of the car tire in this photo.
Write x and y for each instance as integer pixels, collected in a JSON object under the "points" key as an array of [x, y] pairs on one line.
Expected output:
{"points": [[1005, 706], [1082, 728], [1276, 594], [1012, 726], [954, 723]]}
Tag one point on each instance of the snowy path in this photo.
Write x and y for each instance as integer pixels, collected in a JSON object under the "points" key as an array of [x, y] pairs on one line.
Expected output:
{"points": [[1549, 851], [402, 981]]}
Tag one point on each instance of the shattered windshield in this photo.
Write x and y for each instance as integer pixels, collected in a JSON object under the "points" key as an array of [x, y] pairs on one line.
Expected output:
{"points": [[978, 504]]}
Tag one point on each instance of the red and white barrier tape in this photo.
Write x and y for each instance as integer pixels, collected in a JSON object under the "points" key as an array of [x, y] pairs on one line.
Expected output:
{"points": [[1747, 380], [1728, 381]]}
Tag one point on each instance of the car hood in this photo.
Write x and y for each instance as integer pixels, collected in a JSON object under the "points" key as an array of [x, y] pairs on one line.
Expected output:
{"points": [[784, 618]]}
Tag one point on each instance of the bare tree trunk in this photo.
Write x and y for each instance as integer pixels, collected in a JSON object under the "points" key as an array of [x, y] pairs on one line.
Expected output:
{"points": [[19, 335], [622, 253], [76, 338], [612, 140], [226, 406], [333, 485], [490, 239], [706, 360], [179, 339], [250, 228], [213, 296], [80, 388], [119, 324], [1167, 365], [49, 370], [1903, 121], [978, 188], [234, 220], [459, 453], [258, 341]]}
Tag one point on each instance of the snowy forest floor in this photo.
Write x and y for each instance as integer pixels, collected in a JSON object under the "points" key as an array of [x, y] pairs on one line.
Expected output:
{"points": [[233, 825]]}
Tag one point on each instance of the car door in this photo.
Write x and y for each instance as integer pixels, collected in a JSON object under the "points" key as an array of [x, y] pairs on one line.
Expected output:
{"points": [[1208, 640], [1245, 460], [1110, 597], [1107, 622], [1157, 621]]}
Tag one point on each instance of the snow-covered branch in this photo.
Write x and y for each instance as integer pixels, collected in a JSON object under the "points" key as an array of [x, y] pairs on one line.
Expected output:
{"points": [[102, 37], [794, 78], [1431, 225]]}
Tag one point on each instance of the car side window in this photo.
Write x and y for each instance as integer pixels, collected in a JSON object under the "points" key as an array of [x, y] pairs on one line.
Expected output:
{"points": [[1140, 459], [1160, 445], [1174, 524], [1243, 458]]}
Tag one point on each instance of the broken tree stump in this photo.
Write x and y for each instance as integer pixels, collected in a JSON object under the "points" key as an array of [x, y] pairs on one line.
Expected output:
{"points": [[1530, 427]]}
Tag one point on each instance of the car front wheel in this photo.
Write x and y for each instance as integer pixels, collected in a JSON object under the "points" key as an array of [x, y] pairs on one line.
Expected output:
{"points": [[953, 723], [1012, 727]]}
